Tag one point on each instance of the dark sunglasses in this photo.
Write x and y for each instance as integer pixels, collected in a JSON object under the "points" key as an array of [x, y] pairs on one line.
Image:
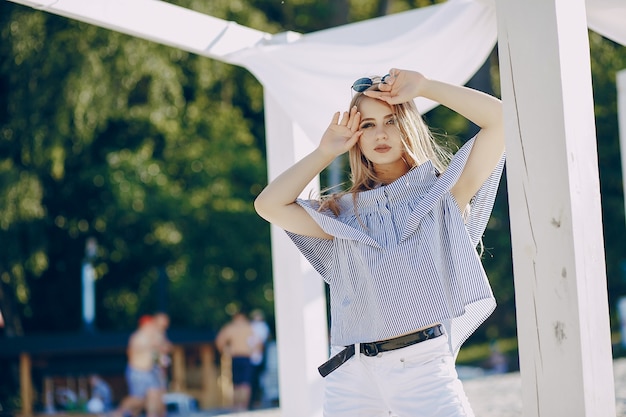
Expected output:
{"points": [[363, 84]]}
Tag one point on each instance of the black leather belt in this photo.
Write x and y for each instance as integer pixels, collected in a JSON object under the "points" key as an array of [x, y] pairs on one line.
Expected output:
{"points": [[374, 348]]}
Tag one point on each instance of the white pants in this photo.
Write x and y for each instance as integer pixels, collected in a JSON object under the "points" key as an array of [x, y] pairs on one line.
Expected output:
{"points": [[415, 381]]}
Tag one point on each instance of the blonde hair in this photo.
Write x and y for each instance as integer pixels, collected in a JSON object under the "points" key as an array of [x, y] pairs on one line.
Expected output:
{"points": [[419, 147]]}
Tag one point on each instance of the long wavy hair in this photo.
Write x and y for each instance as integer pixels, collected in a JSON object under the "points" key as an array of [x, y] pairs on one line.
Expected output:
{"points": [[419, 146]]}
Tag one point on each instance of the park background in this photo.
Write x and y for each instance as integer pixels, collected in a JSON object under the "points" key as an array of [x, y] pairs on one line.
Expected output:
{"points": [[157, 154]]}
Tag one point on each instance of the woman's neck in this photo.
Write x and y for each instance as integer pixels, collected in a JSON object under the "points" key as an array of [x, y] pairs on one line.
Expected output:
{"points": [[388, 173]]}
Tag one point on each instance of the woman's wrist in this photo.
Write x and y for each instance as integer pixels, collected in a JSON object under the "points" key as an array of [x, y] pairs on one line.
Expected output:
{"points": [[428, 88], [325, 157]]}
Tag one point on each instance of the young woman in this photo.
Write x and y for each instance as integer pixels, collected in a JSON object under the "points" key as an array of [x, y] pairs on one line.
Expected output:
{"points": [[398, 248]]}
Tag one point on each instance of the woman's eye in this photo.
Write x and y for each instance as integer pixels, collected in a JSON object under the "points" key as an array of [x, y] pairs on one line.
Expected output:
{"points": [[391, 121], [366, 125]]}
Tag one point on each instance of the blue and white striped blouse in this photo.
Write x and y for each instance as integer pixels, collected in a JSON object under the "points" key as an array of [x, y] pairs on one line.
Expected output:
{"points": [[408, 260]]}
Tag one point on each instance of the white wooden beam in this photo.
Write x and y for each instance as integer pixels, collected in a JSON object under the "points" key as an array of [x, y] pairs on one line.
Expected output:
{"points": [[300, 299], [160, 22], [556, 224]]}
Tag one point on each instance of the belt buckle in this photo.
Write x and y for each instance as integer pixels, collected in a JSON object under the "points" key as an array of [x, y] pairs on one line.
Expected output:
{"points": [[370, 349]]}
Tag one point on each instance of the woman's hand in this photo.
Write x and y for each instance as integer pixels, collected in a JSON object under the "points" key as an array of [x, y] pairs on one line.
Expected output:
{"points": [[341, 135], [277, 202], [399, 87]]}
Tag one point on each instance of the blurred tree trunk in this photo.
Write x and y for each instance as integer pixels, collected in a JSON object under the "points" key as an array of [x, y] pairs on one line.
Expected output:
{"points": [[383, 8], [340, 10]]}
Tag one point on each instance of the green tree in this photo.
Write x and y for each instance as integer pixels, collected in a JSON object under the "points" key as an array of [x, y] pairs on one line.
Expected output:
{"points": [[153, 151], [607, 58]]}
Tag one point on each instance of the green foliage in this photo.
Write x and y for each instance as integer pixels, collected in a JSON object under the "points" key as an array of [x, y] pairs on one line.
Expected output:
{"points": [[607, 58], [155, 152], [478, 353]]}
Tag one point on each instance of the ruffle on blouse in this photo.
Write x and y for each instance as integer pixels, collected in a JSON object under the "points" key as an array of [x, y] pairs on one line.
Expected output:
{"points": [[443, 185], [334, 227], [421, 188]]}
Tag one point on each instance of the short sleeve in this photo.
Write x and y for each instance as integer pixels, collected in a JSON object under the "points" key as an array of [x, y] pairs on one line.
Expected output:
{"points": [[481, 204], [319, 252]]}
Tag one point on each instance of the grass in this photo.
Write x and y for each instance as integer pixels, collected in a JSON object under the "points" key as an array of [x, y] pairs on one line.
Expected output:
{"points": [[478, 353]]}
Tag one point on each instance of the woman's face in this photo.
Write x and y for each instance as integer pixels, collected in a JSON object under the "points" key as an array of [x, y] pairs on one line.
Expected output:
{"points": [[381, 141]]}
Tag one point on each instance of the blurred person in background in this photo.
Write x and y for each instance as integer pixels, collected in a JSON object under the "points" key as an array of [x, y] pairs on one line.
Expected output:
{"points": [[162, 357], [237, 339], [101, 399], [257, 359], [145, 383]]}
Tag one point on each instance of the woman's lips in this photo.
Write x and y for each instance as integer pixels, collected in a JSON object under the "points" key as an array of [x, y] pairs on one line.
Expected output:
{"points": [[382, 148]]}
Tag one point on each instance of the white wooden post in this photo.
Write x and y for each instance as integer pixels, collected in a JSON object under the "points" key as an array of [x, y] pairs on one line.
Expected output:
{"points": [[300, 301], [556, 225], [621, 122]]}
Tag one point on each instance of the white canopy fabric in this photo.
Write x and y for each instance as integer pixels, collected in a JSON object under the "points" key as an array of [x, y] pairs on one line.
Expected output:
{"points": [[312, 75], [608, 18]]}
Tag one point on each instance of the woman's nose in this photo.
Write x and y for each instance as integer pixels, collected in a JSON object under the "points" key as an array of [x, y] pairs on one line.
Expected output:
{"points": [[380, 133]]}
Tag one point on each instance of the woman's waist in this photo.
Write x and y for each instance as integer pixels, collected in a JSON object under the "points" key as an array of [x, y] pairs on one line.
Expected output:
{"points": [[371, 331], [395, 343], [414, 331]]}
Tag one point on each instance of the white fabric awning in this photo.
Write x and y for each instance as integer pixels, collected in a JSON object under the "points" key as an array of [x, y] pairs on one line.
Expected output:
{"points": [[608, 18], [312, 75]]}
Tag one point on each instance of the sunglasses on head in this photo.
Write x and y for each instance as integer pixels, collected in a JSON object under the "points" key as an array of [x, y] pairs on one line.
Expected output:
{"points": [[363, 84]]}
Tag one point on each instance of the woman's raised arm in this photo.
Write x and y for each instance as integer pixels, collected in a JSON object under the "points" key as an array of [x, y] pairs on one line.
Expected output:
{"points": [[276, 203], [482, 109]]}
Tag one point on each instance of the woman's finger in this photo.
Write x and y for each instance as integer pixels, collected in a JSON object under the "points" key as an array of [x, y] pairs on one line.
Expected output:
{"points": [[354, 138], [380, 95], [344, 119], [372, 93], [351, 120]]}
